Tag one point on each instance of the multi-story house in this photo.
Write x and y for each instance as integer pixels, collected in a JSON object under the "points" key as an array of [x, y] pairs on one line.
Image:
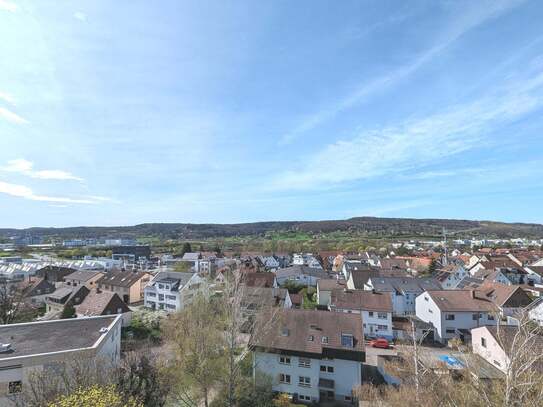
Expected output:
{"points": [[403, 290], [43, 346], [172, 291], [312, 355], [87, 278], [453, 313], [449, 277], [374, 308], [127, 284]]}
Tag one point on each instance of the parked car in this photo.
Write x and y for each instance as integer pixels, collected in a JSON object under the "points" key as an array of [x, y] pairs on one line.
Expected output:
{"points": [[380, 343]]}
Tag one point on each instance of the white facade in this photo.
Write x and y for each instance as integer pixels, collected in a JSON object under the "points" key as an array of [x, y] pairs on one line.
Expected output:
{"points": [[535, 312], [376, 324], [485, 345], [171, 296], [447, 324], [296, 375]]}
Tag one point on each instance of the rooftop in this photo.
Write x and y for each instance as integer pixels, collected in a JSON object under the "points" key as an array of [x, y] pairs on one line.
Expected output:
{"points": [[316, 332], [361, 300], [52, 336], [462, 300]]}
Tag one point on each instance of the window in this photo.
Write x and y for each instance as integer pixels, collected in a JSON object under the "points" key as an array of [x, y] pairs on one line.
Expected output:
{"points": [[170, 306], [370, 313], [161, 297], [324, 339], [476, 317], [284, 378], [327, 369], [348, 398], [450, 330], [449, 317], [284, 360], [310, 338], [304, 398], [171, 297], [15, 387], [382, 327], [304, 362], [347, 340], [382, 315], [490, 317], [160, 286], [483, 342], [304, 381], [151, 294], [430, 311], [496, 363], [426, 298]]}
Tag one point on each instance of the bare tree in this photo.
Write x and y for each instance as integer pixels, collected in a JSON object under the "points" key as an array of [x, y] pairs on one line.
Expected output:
{"points": [[197, 342], [248, 314], [521, 384], [11, 301]]}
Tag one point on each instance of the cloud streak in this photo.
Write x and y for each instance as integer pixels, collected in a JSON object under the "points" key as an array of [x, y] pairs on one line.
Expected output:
{"points": [[415, 143], [12, 117], [26, 167], [21, 191], [471, 19], [8, 6]]}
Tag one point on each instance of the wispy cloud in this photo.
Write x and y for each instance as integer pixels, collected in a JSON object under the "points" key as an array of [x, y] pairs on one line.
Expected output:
{"points": [[21, 191], [12, 117], [416, 143], [78, 15], [26, 167], [470, 20], [6, 97], [8, 6]]}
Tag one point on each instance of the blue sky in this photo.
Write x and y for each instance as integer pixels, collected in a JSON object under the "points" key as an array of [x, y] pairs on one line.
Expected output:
{"points": [[124, 112]]}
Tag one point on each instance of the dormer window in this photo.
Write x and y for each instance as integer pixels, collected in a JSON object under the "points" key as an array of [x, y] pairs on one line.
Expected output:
{"points": [[347, 340], [310, 338], [324, 339], [284, 332]]}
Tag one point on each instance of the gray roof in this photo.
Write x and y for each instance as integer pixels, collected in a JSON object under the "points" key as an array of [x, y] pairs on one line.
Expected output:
{"points": [[404, 284], [122, 278], [82, 275], [172, 277], [300, 270], [52, 336], [61, 292], [191, 256]]}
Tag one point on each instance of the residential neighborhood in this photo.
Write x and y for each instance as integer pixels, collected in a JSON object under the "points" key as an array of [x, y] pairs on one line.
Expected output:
{"points": [[323, 321]]}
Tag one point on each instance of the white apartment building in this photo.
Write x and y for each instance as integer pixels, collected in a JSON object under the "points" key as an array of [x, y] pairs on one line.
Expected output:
{"points": [[312, 355], [453, 313], [172, 291], [41, 346], [374, 308]]}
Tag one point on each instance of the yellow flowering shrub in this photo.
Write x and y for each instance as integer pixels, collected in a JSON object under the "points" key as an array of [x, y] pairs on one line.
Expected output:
{"points": [[94, 396]]}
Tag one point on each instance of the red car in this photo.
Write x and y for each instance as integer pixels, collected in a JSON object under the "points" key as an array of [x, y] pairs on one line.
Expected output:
{"points": [[379, 343]]}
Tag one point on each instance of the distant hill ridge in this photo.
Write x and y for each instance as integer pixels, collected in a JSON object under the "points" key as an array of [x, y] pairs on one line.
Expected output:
{"points": [[368, 226]]}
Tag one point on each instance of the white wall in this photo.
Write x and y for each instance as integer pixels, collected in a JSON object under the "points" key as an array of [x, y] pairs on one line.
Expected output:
{"points": [[428, 311], [492, 353], [347, 374]]}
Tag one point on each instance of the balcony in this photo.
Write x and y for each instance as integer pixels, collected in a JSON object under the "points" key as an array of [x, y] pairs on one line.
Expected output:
{"points": [[326, 384]]}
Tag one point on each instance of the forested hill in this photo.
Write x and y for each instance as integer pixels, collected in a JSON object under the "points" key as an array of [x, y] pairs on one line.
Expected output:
{"points": [[365, 226]]}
